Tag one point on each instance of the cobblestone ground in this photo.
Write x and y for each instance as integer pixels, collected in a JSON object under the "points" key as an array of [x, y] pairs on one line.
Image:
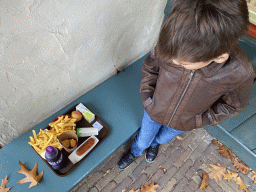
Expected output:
{"points": [[179, 166]]}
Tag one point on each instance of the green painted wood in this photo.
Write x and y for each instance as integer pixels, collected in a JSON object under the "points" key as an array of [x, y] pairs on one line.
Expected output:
{"points": [[248, 44], [237, 147], [167, 9], [246, 132], [245, 114]]}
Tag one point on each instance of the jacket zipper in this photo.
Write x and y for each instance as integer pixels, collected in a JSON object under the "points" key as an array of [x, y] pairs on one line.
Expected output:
{"points": [[190, 79]]}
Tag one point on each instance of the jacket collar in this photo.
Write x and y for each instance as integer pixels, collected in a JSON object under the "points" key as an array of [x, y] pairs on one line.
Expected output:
{"points": [[213, 68]]}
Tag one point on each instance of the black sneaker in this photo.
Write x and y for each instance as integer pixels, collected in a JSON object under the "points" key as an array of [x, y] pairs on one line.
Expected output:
{"points": [[151, 153], [126, 160]]}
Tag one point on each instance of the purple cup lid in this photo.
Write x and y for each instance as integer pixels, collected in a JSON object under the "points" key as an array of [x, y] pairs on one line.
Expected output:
{"points": [[49, 150]]}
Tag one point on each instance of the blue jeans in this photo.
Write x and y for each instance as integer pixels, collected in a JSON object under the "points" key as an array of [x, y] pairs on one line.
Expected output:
{"points": [[151, 133]]}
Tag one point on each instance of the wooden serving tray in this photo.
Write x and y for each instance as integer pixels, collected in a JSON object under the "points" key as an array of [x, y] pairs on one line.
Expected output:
{"points": [[103, 133]]}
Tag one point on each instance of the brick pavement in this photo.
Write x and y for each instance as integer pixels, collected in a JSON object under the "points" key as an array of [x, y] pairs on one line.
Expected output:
{"points": [[179, 166]]}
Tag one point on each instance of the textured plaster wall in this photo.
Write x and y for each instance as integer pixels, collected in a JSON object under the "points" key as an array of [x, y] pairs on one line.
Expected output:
{"points": [[53, 51]]}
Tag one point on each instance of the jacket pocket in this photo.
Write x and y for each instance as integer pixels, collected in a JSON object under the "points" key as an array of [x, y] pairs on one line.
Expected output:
{"points": [[147, 102]]}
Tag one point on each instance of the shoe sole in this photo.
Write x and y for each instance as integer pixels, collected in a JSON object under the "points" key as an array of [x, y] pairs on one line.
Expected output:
{"points": [[126, 167], [147, 160]]}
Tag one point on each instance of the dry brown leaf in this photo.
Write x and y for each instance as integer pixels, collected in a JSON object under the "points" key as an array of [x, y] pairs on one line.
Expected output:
{"points": [[241, 184], [240, 166], [223, 151], [204, 184], [230, 175], [216, 142], [2, 187], [179, 137], [217, 172], [254, 176], [149, 188], [107, 172], [231, 154], [31, 175], [132, 190]]}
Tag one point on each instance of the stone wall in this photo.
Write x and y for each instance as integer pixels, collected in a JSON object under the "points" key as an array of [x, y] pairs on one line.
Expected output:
{"points": [[53, 51]]}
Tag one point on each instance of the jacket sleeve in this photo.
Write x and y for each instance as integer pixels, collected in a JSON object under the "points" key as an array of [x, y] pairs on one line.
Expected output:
{"points": [[150, 71], [228, 105]]}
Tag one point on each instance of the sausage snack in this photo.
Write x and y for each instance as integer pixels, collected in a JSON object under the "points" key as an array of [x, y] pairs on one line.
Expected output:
{"points": [[83, 149], [87, 145]]}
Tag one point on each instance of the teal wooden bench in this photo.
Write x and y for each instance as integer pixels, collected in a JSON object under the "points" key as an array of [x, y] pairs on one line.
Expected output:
{"points": [[117, 101]]}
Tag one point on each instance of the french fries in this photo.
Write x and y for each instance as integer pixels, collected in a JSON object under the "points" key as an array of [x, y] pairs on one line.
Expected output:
{"points": [[44, 139]]}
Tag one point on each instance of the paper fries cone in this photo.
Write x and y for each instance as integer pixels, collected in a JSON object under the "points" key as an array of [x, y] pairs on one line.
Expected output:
{"points": [[68, 135]]}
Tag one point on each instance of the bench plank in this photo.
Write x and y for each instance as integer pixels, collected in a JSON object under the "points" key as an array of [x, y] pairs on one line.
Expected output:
{"points": [[117, 101]]}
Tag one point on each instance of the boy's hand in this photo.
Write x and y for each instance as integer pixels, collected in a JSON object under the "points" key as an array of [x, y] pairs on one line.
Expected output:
{"points": [[228, 105], [150, 70]]}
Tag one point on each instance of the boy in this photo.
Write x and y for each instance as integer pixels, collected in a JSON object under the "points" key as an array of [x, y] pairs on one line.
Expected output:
{"points": [[196, 75]]}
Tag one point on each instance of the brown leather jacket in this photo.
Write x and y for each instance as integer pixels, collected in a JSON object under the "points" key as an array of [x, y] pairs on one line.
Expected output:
{"points": [[187, 99]]}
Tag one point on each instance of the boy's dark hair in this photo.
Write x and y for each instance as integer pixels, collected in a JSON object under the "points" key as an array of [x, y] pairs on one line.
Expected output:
{"points": [[201, 30]]}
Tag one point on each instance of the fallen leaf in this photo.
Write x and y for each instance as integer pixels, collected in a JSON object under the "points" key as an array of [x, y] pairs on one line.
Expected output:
{"points": [[179, 137], [223, 151], [230, 175], [31, 175], [107, 172], [231, 154], [204, 184], [216, 142], [2, 187], [240, 166], [132, 190], [217, 172], [254, 176], [149, 188], [241, 184]]}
